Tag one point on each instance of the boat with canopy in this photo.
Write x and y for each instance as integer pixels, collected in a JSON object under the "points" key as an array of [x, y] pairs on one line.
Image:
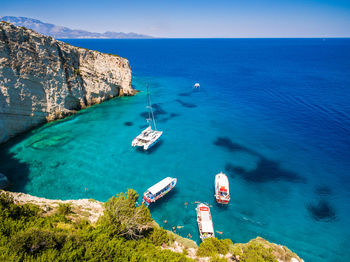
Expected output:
{"points": [[158, 190], [205, 222]]}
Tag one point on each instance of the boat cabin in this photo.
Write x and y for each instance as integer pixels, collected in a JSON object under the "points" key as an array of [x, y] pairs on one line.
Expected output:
{"points": [[159, 190], [205, 222]]}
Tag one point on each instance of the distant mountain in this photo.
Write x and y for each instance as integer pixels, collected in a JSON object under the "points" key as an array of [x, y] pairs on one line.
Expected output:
{"points": [[64, 32]]}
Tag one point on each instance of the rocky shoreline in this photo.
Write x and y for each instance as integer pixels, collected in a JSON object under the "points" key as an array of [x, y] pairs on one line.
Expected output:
{"points": [[91, 210], [42, 79]]}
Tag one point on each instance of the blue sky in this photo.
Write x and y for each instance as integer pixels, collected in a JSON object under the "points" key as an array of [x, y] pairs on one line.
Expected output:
{"points": [[193, 18]]}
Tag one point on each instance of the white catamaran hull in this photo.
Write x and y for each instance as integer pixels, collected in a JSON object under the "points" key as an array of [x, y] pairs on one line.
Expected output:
{"points": [[147, 138]]}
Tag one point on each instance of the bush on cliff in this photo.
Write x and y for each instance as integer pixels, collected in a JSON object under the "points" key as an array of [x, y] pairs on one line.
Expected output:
{"points": [[212, 246], [256, 252], [123, 233]]}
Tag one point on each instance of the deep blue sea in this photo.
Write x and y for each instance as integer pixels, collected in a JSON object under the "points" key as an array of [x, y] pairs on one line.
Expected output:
{"points": [[273, 114]]}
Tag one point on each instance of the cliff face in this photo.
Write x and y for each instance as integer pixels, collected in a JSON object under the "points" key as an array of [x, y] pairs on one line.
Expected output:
{"points": [[42, 79]]}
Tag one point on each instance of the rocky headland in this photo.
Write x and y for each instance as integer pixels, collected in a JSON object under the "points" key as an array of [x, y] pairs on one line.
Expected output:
{"points": [[91, 210], [42, 79]]}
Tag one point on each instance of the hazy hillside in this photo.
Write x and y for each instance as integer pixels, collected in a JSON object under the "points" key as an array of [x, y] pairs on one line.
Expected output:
{"points": [[65, 32]]}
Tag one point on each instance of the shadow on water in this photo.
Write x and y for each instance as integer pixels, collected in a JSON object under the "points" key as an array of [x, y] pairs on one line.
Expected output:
{"points": [[221, 206], [185, 94], [185, 104], [143, 126], [157, 110], [162, 201], [323, 190], [16, 171], [227, 143], [166, 119], [128, 123], [150, 150], [321, 211], [265, 171]]}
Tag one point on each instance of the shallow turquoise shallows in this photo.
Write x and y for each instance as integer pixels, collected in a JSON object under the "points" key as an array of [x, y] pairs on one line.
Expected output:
{"points": [[273, 114]]}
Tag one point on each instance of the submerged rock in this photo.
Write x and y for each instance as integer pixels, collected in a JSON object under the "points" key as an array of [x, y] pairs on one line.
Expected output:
{"points": [[3, 181], [42, 79]]}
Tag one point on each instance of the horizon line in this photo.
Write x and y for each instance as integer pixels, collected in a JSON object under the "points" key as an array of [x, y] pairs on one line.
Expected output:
{"points": [[152, 38]]}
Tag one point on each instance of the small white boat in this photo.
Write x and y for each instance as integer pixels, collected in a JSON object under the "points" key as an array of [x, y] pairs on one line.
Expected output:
{"points": [[148, 137], [196, 85], [222, 190], [205, 222], [158, 190]]}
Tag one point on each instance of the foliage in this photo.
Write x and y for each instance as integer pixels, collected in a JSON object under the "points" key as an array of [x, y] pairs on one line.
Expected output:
{"points": [[123, 218], [256, 252], [29, 234], [64, 209], [217, 258], [159, 236], [212, 246], [76, 71]]}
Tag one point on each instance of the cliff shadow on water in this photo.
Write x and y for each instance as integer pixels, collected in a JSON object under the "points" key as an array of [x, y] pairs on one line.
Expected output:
{"points": [[16, 171]]}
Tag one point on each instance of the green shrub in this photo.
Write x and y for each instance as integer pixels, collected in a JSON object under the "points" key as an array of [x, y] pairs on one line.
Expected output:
{"points": [[27, 235], [211, 246], [255, 252], [159, 236], [217, 258], [64, 209], [123, 218], [76, 71]]}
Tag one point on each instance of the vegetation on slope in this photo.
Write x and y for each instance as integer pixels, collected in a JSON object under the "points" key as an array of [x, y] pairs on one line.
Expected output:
{"points": [[123, 233]]}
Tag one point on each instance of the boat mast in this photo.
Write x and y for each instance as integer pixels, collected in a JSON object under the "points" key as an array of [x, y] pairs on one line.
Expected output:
{"points": [[150, 111]]}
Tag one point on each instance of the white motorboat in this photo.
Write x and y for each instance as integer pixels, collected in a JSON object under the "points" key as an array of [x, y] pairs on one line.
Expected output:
{"points": [[158, 190], [205, 221], [222, 190], [196, 85], [148, 137]]}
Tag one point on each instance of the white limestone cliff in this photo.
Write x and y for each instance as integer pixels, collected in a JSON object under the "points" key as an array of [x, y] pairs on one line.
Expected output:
{"points": [[42, 79]]}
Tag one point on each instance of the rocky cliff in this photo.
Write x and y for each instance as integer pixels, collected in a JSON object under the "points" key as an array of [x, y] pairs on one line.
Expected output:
{"points": [[42, 79]]}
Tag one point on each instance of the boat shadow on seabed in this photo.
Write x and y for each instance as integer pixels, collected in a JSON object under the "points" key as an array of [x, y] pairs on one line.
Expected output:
{"points": [[163, 200], [150, 150]]}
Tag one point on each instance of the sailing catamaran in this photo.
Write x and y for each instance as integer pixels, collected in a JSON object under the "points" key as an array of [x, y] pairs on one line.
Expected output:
{"points": [[222, 190], [158, 190], [148, 137], [205, 222]]}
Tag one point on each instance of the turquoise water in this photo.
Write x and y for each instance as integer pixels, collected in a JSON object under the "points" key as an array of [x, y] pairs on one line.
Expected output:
{"points": [[273, 114]]}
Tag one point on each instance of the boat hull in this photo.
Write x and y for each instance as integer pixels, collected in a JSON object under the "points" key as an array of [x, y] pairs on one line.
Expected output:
{"points": [[222, 191], [148, 198], [204, 221], [147, 139]]}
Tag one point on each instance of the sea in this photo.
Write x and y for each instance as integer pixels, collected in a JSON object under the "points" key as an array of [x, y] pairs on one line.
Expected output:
{"points": [[273, 114]]}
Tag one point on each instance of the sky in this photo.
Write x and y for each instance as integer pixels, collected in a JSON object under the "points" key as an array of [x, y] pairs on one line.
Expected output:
{"points": [[193, 18]]}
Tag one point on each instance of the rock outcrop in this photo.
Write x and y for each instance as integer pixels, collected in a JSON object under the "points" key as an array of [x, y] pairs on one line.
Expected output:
{"points": [[42, 79], [91, 210]]}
